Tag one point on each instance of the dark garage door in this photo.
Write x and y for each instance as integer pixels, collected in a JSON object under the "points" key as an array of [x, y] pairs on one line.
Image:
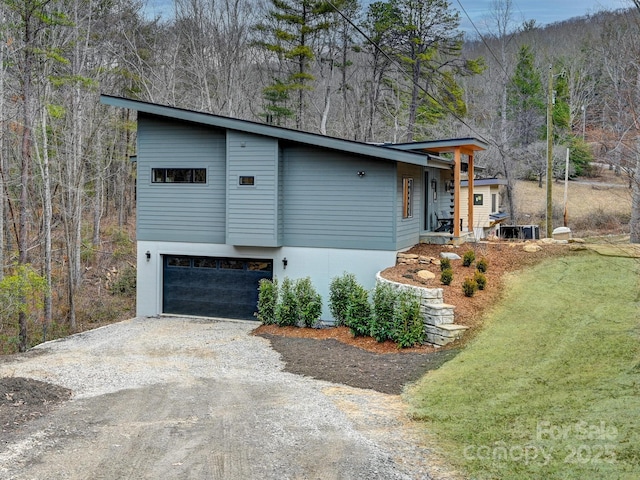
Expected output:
{"points": [[213, 287]]}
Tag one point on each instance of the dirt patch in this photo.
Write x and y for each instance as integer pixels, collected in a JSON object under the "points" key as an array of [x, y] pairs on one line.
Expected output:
{"points": [[23, 399]]}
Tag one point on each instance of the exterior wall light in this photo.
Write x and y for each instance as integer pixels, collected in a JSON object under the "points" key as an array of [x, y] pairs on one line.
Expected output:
{"points": [[285, 262], [361, 173], [148, 255]]}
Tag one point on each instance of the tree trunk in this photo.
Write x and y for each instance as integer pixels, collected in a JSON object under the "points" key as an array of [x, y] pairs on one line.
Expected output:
{"points": [[25, 166], [47, 215], [413, 107], [634, 223]]}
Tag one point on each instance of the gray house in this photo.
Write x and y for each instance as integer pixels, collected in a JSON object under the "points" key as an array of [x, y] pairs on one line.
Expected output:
{"points": [[223, 203]]}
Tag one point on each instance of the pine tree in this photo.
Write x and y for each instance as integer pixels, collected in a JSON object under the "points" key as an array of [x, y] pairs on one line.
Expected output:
{"points": [[291, 36], [526, 99]]}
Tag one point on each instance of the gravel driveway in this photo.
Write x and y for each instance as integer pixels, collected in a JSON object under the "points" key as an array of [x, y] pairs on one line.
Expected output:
{"points": [[184, 398]]}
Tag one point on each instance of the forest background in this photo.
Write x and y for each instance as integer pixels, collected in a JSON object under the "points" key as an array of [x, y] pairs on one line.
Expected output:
{"points": [[388, 71]]}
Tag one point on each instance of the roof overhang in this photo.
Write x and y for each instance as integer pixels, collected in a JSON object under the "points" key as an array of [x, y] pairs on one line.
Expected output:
{"points": [[420, 158], [467, 146]]}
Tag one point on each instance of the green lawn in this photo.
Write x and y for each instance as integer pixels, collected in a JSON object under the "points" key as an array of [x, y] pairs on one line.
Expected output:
{"points": [[551, 387]]}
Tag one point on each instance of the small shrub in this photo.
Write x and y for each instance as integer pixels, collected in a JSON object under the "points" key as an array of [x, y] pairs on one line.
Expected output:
{"points": [[409, 327], [468, 258], [469, 287], [384, 299], [125, 283], [482, 264], [309, 302], [267, 301], [480, 279], [358, 315], [340, 291], [287, 308], [446, 277], [445, 263]]}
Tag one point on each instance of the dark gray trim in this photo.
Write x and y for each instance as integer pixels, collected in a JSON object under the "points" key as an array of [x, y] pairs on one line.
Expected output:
{"points": [[475, 143], [369, 150]]}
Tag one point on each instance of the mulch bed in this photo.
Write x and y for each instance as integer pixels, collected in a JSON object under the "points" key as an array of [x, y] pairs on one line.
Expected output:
{"points": [[334, 361]]}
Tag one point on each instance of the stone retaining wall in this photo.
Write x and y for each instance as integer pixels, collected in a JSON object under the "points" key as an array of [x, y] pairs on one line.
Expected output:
{"points": [[438, 316]]}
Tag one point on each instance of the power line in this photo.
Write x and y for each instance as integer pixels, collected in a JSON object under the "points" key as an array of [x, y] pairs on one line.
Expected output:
{"points": [[401, 68], [482, 38]]}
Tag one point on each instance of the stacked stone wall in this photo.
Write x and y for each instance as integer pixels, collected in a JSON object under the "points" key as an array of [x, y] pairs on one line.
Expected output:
{"points": [[438, 317]]}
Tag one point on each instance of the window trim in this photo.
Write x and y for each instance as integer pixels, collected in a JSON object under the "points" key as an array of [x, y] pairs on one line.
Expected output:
{"points": [[248, 178], [407, 197], [192, 176]]}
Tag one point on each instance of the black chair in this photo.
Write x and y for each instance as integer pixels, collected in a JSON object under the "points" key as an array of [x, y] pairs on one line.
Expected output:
{"points": [[445, 222]]}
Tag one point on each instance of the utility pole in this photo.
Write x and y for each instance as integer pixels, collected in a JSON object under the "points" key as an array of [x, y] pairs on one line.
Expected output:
{"points": [[550, 153], [565, 216]]}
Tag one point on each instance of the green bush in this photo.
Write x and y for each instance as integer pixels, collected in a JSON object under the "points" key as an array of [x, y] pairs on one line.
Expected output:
{"points": [[358, 315], [480, 279], [309, 302], [446, 277], [469, 287], [287, 309], [125, 283], [384, 299], [267, 301], [468, 258], [409, 327], [340, 291], [482, 265], [445, 263]]}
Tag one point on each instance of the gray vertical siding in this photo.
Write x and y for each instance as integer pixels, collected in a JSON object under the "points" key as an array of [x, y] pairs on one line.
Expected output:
{"points": [[252, 211], [180, 212], [409, 228], [326, 203]]}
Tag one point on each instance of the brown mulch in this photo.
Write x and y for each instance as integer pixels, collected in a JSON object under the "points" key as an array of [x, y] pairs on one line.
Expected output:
{"points": [[334, 355]]}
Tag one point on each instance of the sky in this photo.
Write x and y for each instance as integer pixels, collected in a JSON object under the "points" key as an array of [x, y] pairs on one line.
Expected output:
{"points": [[542, 11]]}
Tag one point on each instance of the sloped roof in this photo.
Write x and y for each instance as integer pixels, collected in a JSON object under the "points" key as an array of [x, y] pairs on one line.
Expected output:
{"points": [[313, 139], [468, 145]]}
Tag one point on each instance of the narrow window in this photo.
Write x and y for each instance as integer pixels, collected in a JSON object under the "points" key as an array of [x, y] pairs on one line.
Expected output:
{"points": [[205, 262], [229, 264], [260, 266], [407, 197], [179, 262], [494, 202], [246, 180], [179, 175]]}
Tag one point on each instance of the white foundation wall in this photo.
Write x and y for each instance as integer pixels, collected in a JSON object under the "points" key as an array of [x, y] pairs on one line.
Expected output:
{"points": [[321, 264]]}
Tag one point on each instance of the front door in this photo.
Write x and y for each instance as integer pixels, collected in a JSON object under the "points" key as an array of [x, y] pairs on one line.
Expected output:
{"points": [[429, 222]]}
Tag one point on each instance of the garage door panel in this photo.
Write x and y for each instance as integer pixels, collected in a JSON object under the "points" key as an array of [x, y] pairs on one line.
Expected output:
{"points": [[227, 288]]}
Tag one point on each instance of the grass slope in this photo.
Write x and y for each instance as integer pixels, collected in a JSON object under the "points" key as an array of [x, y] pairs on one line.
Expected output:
{"points": [[551, 387]]}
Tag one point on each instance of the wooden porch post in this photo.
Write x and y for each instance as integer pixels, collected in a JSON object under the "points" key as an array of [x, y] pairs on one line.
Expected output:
{"points": [[456, 190], [471, 199]]}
